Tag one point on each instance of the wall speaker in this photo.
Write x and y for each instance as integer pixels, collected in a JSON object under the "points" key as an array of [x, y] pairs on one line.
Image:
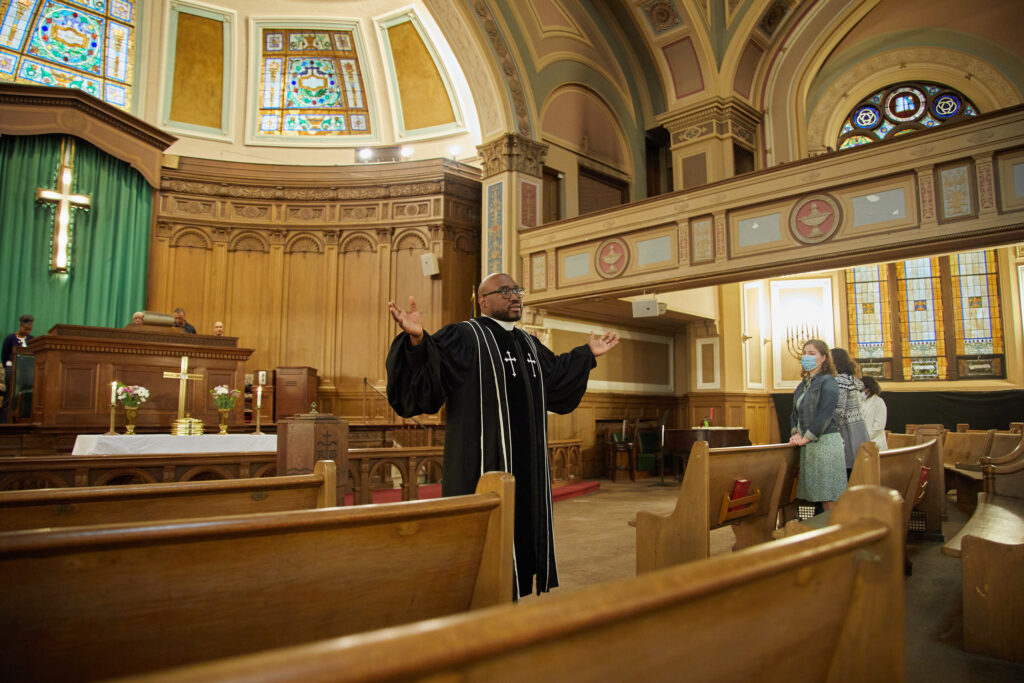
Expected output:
{"points": [[645, 308], [430, 266]]}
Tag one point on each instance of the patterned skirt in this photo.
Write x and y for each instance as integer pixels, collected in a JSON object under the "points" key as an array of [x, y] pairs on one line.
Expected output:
{"points": [[822, 469]]}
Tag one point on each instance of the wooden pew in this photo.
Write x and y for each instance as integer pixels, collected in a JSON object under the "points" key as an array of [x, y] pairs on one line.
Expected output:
{"points": [[683, 534], [898, 469], [54, 508], [57, 471], [87, 603], [991, 551], [807, 608]]}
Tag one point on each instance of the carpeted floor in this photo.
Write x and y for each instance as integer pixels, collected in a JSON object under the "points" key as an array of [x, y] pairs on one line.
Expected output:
{"points": [[594, 543]]}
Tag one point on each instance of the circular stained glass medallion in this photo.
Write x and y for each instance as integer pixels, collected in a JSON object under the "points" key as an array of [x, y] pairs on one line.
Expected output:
{"points": [[904, 104], [866, 117], [946, 105]]}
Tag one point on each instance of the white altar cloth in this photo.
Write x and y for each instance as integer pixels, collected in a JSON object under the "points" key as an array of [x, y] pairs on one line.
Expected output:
{"points": [[151, 444]]}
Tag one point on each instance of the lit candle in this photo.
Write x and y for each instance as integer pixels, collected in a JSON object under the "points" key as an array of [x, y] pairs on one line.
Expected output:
{"points": [[113, 392], [259, 397]]}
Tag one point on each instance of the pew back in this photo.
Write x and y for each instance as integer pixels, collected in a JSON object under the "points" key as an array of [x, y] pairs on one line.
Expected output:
{"points": [[54, 508], [93, 602], [58, 471], [683, 534], [804, 608]]}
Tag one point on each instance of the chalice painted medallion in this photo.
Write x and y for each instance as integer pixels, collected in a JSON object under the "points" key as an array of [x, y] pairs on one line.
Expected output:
{"points": [[612, 258], [815, 218]]}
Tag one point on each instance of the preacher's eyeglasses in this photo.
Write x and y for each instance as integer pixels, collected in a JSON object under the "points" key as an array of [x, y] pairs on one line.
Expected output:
{"points": [[507, 292]]}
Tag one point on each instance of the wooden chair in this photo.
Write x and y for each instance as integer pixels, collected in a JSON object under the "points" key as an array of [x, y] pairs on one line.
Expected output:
{"points": [[620, 452], [825, 606]]}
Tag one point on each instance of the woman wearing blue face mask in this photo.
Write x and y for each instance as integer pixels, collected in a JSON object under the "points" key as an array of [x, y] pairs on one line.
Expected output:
{"points": [[822, 475]]}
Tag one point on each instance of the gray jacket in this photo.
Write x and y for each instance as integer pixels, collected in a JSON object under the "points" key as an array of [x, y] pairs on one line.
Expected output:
{"points": [[815, 415]]}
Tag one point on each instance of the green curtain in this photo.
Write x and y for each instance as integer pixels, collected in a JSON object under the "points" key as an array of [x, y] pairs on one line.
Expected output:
{"points": [[109, 241]]}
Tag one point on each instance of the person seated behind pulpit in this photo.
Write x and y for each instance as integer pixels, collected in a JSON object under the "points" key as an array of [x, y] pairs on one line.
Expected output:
{"points": [[138, 318], [19, 338], [179, 321], [218, 329]]}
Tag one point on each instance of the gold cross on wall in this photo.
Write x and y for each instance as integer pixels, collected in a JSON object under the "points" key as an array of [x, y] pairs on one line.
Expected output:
{"points": [[183, 376], [65, 201]]}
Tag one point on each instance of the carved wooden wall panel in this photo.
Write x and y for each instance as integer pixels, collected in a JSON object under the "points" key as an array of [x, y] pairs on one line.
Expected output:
{"points": [[299, 262]]}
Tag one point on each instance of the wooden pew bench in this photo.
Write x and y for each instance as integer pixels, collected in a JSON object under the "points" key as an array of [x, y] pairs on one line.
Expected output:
{"points": [[991, 551], [87, 603], [57, 471], [962, 461], [824, 606], [704, 503], [63, 507], [898, 469]]}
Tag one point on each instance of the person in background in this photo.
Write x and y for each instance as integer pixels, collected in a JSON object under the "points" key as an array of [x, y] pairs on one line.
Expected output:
{"points": [[138, 318], [218, 329], [875, 413], [822, 478], [19, 338], [848, 417], [179, 321]]}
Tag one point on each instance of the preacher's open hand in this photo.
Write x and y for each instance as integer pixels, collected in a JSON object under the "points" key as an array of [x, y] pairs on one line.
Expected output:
{"points": [[409, 320], [603, 344]]}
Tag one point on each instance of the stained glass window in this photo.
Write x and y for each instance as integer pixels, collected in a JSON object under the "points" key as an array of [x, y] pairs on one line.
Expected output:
{"points": [[915, 335], [976, 310], [920, 297], [867, 297], [901, 109], [311, 83], [84, 44]]}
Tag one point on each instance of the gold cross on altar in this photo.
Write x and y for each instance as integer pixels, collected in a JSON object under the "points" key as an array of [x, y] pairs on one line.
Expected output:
{"points": [[65, 201], [183, 376]]}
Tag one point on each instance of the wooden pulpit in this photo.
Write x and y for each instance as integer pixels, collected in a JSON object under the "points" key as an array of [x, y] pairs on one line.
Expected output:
{"points": [[305, 438], [75, 366]]}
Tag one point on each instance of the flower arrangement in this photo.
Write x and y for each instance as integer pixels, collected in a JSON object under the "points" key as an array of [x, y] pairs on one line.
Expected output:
{"points": [[224, 397], [131, 396]]}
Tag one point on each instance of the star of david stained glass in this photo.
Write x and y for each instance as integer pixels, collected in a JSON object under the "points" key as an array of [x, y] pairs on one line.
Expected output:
{"points": [[88, 45]]}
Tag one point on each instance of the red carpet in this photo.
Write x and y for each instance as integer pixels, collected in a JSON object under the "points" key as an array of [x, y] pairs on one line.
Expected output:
{"points": [[434, 491], [572, 490]]}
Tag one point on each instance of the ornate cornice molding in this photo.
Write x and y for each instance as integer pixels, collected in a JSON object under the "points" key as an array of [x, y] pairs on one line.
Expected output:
{"points": [[37, 110], [728, 117], [513, 152]]}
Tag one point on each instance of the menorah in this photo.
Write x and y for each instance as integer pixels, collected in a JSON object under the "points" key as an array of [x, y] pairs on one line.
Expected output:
{"points": [[797, 337]]}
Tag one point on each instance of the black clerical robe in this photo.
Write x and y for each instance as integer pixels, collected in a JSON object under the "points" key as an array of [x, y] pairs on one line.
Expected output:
{"points": [[498, 386]]}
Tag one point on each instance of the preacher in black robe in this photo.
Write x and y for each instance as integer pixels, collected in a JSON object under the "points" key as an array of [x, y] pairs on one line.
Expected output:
{"points": [[498, 383]]}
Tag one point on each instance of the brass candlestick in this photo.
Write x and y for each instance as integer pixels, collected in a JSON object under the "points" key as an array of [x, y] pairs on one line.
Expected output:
{"points": [[257, 422], [111, 432]]}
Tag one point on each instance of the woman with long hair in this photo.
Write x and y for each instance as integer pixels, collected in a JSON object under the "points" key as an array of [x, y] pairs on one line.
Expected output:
{"points": [[822, 475], [848, 416], [873, 409]]}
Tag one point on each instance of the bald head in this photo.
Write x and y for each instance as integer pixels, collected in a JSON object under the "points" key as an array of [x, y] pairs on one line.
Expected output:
{"points": [[494, 304]]}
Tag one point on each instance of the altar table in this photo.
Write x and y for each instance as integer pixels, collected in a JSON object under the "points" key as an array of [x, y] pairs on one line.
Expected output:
{"points": [[159, 444]]}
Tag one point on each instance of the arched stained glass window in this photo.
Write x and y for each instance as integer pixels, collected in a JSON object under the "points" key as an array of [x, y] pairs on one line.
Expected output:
{"points": [[900, 109], [84, 44], [311, 83], [947, 323]]}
